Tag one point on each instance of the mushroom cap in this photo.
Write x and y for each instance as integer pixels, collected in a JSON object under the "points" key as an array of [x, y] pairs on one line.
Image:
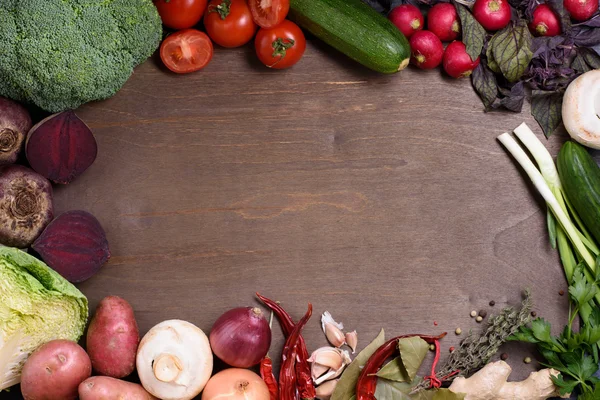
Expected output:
{"points": [[174, 360], [580, 107]]}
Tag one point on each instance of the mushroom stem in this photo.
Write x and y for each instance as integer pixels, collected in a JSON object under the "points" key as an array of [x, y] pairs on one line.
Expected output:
{"points": [[167, 367]]}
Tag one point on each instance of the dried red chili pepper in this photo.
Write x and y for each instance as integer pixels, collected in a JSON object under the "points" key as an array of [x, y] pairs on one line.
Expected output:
{"points": [[367, 381], [306, 386], [288, 389], [266, 372]]}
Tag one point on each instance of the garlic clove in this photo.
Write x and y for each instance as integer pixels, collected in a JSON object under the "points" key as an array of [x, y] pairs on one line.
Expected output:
{"points": [[327, 356], [346, 357], [317, 370], [325, 390], [352, 340], [326, 318], [334, 335]]}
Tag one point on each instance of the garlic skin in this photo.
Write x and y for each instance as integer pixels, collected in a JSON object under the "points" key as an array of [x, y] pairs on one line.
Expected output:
{"points": [[328, 363], [352, 340], [325, 390], [333, 330], [580, 109]]}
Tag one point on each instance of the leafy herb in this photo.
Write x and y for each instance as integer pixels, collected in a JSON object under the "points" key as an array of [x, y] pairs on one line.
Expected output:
{"points": [[404, 367], [389, 390], [484, 82], [473, 34], [345, 388], [511, 48], [394, 371], [546, 108], [574, 354]]}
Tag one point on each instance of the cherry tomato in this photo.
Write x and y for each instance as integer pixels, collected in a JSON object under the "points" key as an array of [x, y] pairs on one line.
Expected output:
{"points": [[186, 51], [280, 47], [180, 14], [229, 22], [269, 13]]}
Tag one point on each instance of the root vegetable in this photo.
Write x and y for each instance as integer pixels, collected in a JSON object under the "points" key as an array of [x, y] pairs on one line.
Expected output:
{"points": [[581, 10], [407, 18], [493, 15], [54, 371], [113, 338], [107, 388], [25, 205], [580, 107], [457, 62], [545, 22], [426, 50], [174, 360], [442, 20], [490, 384], [15, 122]]}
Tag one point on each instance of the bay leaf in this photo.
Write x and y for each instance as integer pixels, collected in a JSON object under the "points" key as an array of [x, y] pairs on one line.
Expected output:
{"points": [[546, 108], [346, 386], [473, 34], [394, 371], [445, 394], [511, 48], [389, 390], [412, 351]]}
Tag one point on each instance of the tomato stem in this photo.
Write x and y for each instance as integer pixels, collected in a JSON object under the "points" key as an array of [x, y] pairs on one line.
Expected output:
{"points": [[280, 47], [223, 8]]}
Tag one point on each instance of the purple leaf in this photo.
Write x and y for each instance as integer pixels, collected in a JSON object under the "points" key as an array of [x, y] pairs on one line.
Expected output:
{"points": [[546, 108], [485, 84]]}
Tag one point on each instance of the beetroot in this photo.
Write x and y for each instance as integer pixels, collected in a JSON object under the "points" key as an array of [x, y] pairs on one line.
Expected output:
{"points": [[493, 15], [15, 122], [442, 20], [61, 147], [545, 22], [74, 245], [407, 18], [25, 205], [426, 50], [457, 62], [581, 10]]}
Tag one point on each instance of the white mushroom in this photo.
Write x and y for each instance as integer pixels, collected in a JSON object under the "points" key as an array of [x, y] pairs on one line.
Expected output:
{"points": [[174, 360], [581, 107]]}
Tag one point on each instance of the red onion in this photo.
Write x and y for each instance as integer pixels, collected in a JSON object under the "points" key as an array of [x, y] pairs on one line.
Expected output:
{"points": [[241, 337]]}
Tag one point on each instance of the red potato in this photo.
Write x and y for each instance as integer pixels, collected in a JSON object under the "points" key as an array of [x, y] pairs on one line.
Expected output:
{"points": [[107, 388], [113, 337], [54, 371]]}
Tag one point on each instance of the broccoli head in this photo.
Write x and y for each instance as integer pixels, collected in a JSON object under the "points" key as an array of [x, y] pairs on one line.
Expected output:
{"points": [[59, 54]]}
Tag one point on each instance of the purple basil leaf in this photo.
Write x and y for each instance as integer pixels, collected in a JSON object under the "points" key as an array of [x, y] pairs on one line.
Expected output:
{"points": [[473, 34], [546, 108], [585, 37], [596, 49], [514, 98], [580, 65], [379, 6], [565, 19], [591, 58], [593, 22], [485, 84]]}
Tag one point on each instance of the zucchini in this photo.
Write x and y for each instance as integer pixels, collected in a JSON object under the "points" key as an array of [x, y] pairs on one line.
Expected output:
{"points": [[356, 30], [580, 178]]}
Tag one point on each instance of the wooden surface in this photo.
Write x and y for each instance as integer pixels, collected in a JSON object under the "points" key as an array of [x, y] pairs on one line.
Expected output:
{"points": [[384, 199]]}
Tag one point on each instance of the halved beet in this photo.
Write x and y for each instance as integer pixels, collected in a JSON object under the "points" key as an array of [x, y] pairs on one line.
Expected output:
{"points": [[25, 205], [61, 147], [15, 122], [74, 245]]}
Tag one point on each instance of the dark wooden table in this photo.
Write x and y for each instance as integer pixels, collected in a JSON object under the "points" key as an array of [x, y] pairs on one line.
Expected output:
{"points": [[384, 199]]}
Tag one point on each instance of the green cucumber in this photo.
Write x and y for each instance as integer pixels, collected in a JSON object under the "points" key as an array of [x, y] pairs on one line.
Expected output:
{"points": [[356, 30], [580, 178]]}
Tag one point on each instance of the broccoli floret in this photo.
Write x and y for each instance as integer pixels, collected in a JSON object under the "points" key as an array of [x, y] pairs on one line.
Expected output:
{"points": [[59, 54]]}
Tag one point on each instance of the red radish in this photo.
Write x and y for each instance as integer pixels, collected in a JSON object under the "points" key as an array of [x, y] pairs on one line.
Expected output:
{"points": [[545, 22], [457, 62], [493, 15], [581, 10], [426, 50], [407, 18], [442, 20]]}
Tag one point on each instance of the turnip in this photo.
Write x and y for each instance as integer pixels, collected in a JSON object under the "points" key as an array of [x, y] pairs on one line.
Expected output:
{"points": [[581, 10], [493, 15], [407, 18], [442, 20], [457, 62], [426, 50], [15, 122], [545, 22]]}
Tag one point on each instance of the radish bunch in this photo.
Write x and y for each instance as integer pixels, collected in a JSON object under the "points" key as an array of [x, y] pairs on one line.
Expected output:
{"points": [[427, 50]]}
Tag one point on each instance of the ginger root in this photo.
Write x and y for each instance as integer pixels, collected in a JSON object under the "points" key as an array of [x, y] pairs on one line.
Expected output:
{"points": [[490, 384]]}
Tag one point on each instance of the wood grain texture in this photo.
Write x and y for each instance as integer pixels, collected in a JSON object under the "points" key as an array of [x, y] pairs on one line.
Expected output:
{"points": [[385, 200]]}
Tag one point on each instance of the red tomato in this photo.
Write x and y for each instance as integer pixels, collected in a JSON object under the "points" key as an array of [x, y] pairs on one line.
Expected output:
{"points": [[269, 13], [186, 51], [229, 22], [180, 14], [280, 47]]}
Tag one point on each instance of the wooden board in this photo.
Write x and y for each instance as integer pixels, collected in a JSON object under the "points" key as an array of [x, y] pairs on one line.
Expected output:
{"points": [[384, 199]]}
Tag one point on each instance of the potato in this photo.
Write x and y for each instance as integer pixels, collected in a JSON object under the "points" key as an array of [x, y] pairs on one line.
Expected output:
{"points": [[54, 371], [113, 337], [106, 388]]}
